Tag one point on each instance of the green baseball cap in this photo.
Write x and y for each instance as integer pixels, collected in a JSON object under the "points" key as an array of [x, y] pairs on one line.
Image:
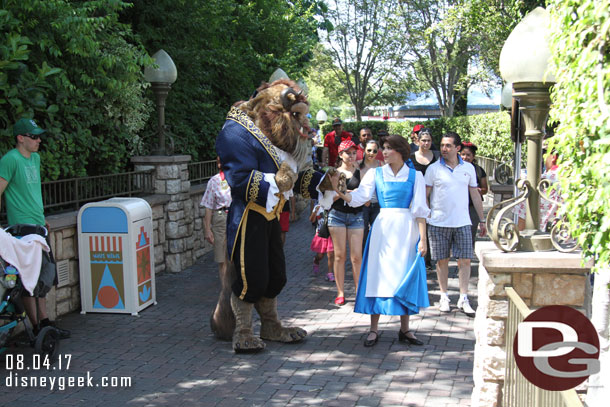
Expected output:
{"points": [[26, 126]]}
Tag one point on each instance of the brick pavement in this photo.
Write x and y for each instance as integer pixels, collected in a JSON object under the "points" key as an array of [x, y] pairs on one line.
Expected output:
{"points": [[173, 359]]}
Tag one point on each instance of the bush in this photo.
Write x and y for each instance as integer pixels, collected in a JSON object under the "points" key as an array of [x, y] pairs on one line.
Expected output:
{"points": [[581, 104], [77, 71]]}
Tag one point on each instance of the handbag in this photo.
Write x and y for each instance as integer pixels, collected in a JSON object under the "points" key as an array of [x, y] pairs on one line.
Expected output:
{"points": [[323, 231]]}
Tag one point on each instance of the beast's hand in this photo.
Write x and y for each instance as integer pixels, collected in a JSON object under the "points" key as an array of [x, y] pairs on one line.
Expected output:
{"points": [[285, 178], [342, 184], [327, 182]]}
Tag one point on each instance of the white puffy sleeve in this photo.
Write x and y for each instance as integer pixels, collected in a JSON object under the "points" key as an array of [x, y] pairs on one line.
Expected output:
{"points": [[419, 207], [365, 190]]}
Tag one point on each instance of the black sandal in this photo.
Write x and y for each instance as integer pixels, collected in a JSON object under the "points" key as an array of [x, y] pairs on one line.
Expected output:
{"points": [[370, 342], [402, 337]]}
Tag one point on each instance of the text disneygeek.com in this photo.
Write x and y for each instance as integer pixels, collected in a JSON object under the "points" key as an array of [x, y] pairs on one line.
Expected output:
{"points": [[15, 380], [18, 367]]}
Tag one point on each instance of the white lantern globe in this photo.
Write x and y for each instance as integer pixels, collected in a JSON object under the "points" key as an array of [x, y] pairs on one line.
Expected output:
{"points": [[526, 53], [165, 73]]}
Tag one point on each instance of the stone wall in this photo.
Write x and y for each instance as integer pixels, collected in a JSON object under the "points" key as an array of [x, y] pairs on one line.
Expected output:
{"points": [[540, 278]]}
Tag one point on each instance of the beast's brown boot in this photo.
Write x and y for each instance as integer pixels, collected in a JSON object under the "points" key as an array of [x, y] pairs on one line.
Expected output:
{"points": [[243, 339], [271, 327]]}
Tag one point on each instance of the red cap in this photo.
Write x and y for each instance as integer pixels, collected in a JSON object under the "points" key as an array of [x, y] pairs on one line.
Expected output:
{"points": [[346, 144], [417, 128]]}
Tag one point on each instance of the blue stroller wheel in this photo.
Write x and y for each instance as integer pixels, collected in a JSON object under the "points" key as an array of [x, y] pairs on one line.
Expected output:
{"points": [[47, 342]]}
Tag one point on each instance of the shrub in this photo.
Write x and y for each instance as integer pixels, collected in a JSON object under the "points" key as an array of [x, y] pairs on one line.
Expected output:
{"points": [[78, 71], [581, 104]]}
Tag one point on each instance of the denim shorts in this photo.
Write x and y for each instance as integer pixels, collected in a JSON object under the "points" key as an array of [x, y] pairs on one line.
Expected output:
{"points": [[337, 219]]}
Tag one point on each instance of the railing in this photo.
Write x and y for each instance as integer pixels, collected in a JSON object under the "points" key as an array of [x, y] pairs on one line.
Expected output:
{"points": [[518, 391], [201, 171], [501, 172], [70, 194]]}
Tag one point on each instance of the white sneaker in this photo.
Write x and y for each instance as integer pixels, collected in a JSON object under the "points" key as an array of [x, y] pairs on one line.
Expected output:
{"points": [[443, 304], [464, 305]]}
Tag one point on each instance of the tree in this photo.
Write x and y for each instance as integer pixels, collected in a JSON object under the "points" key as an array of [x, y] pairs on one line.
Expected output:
{"points": [[448, 45], [364, 45], [325, 92]]}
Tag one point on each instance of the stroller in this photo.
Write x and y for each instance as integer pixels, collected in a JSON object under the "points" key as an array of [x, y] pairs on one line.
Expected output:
{"points": [[12, 311]]}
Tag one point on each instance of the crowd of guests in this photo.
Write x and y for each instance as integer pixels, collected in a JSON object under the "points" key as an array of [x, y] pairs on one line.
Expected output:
{"points": [[404, 207], [398, 209]]}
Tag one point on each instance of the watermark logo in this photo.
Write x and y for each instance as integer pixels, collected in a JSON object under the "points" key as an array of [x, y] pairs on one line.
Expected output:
{"points": [[556, 348]]}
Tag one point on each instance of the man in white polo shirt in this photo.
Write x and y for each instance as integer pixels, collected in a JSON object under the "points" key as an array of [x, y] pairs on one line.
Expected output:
{"points": [[448, 183]]}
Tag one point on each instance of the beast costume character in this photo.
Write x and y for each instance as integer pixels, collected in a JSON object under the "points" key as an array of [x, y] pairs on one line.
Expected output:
{"points": [[262, 146]]}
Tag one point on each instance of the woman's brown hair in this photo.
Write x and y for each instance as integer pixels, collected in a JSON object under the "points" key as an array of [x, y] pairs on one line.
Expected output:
{"points": [[400, 145]]}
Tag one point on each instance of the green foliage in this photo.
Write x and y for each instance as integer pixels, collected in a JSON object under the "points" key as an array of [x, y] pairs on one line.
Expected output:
{"points": [[581, 103], [223, 50], [364, 49], [78, 71], [490, 132], [325, 92], [452, 44]]}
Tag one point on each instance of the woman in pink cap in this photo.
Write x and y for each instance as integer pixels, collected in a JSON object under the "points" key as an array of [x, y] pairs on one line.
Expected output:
{"points": [[345, 223]]}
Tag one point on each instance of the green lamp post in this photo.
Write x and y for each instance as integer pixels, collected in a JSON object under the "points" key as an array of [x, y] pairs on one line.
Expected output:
{"points": [[161, 79]]}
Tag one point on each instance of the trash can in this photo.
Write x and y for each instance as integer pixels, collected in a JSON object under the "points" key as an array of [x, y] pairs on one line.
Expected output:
{"points": [[116, 256]]}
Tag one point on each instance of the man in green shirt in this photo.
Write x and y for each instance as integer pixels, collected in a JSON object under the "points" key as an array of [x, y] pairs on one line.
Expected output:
{"points": [[20, 184]]}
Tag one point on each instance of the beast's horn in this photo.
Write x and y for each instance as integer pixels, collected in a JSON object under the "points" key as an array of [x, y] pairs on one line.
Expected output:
{"points": [[287, 103]]}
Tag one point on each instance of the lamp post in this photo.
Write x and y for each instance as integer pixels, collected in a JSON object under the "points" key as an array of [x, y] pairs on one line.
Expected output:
{"points": [[512, 108], [161, 79], [321, 116], [524, 62]]}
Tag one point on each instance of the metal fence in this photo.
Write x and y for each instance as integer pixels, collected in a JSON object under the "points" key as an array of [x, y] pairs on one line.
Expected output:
{"points": [[201, 171], [501, 172], [518, 391], [70, 194]]}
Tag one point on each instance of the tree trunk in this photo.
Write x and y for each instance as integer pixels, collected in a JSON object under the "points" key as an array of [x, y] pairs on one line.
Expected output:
{"points": [[461, 104]]}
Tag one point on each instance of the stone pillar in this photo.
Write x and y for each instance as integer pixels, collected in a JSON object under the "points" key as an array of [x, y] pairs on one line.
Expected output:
{"points": [[540, 278], [171, 177]]}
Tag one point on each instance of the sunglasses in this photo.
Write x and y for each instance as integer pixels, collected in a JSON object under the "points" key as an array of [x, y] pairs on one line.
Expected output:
{"points": [[32, 136], [371, 151]]}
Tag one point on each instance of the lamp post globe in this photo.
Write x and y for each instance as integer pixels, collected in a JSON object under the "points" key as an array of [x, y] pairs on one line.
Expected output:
{"points": [[507, 96], [321, 116], [161, 79], [278, 74]]}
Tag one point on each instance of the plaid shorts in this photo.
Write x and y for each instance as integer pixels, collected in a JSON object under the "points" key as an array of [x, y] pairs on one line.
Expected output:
{"points": [[444, 241]]}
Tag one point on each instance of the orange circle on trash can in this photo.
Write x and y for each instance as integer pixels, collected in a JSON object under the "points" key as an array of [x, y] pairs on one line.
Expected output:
{"points": [[108, 296]]}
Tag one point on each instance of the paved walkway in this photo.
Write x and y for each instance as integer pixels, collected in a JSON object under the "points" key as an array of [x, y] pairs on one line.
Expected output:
{"points": [[173, 359]]}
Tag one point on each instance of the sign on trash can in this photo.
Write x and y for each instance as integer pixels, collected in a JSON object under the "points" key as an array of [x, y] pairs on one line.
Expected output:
{"points": [[116, 256]]}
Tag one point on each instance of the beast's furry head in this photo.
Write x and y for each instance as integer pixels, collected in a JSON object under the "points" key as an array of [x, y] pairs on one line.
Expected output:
{"points": [[280, 111]]}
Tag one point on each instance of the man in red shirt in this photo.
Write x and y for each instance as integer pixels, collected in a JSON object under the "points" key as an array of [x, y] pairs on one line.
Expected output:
{"points": [[332, 141], [365, 135]]}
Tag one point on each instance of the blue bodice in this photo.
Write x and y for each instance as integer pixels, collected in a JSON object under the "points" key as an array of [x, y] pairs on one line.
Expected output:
{"points": [[394, 194]]}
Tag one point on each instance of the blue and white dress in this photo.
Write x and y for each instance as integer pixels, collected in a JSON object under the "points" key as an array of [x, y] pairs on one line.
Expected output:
{"points": [[393, 274]]}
